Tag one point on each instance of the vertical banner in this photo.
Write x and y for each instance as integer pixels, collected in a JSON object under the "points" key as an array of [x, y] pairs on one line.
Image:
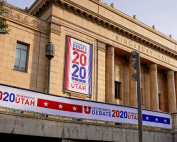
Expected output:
{"points": [[78, 75]]}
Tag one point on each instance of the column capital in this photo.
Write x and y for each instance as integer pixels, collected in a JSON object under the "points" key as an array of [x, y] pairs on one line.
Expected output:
{"points": [[170, 74], [101, 46], [153, 67], [110, 50], [54, 28]]}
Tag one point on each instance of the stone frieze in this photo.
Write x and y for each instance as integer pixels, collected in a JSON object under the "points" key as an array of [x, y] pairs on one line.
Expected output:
{"points": [[25, 19]]}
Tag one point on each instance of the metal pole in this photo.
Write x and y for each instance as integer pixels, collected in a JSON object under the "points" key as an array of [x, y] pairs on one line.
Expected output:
{"points": [[140, 128], [48, 83]]}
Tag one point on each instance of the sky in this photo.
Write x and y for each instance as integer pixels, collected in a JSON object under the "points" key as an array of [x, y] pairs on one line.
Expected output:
{"points": [[161, 13]]}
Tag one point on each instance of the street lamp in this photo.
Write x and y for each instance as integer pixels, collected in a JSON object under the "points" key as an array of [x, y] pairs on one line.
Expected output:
{"points": [[50, 49], [137, 77]]}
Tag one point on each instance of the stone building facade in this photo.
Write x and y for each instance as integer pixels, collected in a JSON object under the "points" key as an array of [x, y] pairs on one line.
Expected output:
{"points": [[113, 35]]}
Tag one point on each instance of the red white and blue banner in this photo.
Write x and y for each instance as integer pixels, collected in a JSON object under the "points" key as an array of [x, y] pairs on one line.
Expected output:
{"points": [[78, 74], [26, 100]]}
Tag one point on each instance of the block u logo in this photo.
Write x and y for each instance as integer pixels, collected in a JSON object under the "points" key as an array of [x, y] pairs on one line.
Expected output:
{"points": [[87, 109]]}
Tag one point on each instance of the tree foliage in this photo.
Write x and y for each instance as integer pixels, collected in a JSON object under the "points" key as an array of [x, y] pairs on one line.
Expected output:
{"points": [[3, 24]]}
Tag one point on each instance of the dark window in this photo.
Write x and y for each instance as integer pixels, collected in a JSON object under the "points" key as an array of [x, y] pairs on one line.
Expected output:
{"points": [[21, 57], [160, 101], [117, 90]]}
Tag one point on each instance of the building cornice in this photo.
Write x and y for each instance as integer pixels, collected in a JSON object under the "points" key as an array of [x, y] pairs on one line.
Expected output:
{"points": [[15, 8], [30, 21], [35, 6], [20, 17], [134, 20], [32, 5], [111, 25]]}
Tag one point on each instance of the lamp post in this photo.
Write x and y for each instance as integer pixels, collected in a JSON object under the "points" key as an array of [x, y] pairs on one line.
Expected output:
{"points": [[50, 49], [137, 77]]}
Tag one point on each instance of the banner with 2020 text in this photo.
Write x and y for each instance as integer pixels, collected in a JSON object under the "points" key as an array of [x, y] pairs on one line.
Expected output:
{"points": [[27, 100], [78, 69]]}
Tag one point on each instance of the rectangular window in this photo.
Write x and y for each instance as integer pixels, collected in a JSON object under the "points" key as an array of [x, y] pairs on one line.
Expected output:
{"points": [[117, 90], [21, 57], [160, 101]]}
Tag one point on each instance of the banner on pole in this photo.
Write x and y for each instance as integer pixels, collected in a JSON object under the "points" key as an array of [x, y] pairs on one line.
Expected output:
{"points": [[78, 74], [26, 100]]}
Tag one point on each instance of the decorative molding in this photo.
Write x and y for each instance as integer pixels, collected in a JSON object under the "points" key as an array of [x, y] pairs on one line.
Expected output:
{"points": [[111, 25], [55, 28], [110, 50], [101, 46], [134, 21], [153, 67], [25, 19]]}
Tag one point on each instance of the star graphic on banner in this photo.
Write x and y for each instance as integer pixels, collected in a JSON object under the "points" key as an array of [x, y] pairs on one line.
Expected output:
{"points": [[165, 120], [60, 106], [156, 119], [74, 108], [147, 118], [46, 104]]}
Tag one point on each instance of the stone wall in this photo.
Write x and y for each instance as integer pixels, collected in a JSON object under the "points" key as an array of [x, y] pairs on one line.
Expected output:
{"points": [[34, 77], [48, 127]]}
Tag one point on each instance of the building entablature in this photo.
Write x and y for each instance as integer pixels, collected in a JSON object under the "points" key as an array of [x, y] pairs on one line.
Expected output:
{"points": [[18, 16], [111, 25]]}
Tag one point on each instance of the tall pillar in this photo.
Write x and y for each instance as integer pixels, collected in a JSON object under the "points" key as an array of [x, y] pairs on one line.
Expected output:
{"points": [[154, 87], [171, 92], [110, 81], [132, 86], [176, 86]]}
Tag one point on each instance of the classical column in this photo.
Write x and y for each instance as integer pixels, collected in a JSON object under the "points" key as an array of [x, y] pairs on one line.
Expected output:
{"points": [[171, 92], [132, 86], [176, 86], [154, 87], [110, 82]]}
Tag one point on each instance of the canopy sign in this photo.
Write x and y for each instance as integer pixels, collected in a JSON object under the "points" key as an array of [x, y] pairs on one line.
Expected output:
{"points": [[42, 103]]}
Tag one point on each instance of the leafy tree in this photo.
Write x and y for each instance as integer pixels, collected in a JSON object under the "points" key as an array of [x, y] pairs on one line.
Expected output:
{"points": [[3, 25]]}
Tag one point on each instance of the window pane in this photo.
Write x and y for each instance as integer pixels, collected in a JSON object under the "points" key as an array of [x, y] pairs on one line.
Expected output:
{"points": [[17, 59], [23, 60], [22, 46]]}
